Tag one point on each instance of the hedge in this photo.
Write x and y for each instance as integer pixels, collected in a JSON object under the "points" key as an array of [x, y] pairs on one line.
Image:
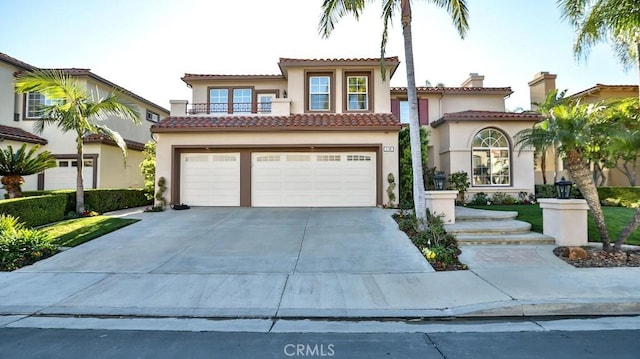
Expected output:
{"points": [[616, 196], [36, 211], [101, 200]]}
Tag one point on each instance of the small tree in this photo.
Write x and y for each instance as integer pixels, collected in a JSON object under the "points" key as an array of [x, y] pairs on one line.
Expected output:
{"points": [[148, 168], [15, 165], [459, 181], [406, 167]]}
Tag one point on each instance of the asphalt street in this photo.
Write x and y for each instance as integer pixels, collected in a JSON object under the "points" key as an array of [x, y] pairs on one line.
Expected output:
{"points": [[64, 343]]}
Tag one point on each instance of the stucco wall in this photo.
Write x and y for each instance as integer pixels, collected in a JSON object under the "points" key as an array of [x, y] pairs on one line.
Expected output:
{"points": [[112, 170], [167, 140], [200, 89], [7, 95], [457, 103]]}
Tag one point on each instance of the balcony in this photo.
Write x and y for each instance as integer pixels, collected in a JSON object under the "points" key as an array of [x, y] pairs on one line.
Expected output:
{"points": [[237, 108]]}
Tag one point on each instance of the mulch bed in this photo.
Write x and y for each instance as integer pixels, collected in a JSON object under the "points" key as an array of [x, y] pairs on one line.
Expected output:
{"points": [[594, 257]]}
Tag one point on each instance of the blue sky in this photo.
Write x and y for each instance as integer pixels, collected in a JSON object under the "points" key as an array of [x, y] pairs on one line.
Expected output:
{"points": [[147, 45]]}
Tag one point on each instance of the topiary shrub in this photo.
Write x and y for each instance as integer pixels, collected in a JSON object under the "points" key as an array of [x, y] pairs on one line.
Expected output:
{"points": [[21, 246], [390, 194], [36, 211]]}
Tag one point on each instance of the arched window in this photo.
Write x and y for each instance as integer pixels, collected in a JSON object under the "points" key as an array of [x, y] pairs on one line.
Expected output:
{"points": [[491, 158]]}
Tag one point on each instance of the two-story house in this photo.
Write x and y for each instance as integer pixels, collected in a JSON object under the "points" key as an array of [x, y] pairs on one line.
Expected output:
{"points": [[320, 133], [324, 132], [103, 161]]}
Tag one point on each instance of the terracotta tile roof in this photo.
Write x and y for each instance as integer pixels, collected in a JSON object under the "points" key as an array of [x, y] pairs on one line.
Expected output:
{"points": [[18, 134], [600, 87], [94, 138], [296, 122], [389, 60], [455, 90], [15, 62], [472, 115], [190, 77]]}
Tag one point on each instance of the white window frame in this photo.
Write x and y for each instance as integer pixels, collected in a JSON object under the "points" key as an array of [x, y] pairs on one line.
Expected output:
{"points": [[497, 173], [319, 93], [28, 99], [358, 93]]}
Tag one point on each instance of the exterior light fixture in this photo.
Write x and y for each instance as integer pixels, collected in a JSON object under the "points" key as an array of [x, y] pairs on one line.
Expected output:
{"points": [[563, 188], [438, 181]]}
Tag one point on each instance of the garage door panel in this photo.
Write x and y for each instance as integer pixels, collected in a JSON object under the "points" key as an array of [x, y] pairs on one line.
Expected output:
{"points": [[314, 179], [210, 179]]}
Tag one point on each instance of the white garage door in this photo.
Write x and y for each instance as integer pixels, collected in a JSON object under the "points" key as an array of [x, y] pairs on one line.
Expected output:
{"points": [[64, 176], [210, 179], [331, 179]]}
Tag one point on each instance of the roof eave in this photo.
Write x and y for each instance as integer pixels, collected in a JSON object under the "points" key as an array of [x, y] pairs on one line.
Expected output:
{"points": [[275, 129]]}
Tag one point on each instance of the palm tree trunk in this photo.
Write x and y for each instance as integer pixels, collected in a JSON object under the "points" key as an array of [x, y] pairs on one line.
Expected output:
{"points": [[583, 177], [419, 200], [79, 182]]}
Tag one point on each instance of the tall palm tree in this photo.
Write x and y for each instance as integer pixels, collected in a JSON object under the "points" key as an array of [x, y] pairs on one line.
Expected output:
{"points": [[616, 22], [14, 165], [76, 110], [333, 10]]}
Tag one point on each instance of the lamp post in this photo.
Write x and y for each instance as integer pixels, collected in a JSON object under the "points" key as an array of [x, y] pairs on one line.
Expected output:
{"points": [[438, 181], [563, 188]]}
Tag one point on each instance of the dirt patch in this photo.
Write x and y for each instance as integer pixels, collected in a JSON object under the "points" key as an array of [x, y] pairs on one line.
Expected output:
{"points": [[595, 257]]}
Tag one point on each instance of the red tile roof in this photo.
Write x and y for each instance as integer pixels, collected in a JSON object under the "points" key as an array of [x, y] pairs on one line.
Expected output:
{"points": [[94, 138], [18, 134], [189, 77], [389, 60], [296, 122], [486, 116], [455, 90], [600, 87]]}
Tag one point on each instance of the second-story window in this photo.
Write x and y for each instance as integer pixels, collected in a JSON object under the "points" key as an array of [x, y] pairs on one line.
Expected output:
{"points": [[35, 103], [241, 100], [218, 100], [357, 93], [319, 93]]}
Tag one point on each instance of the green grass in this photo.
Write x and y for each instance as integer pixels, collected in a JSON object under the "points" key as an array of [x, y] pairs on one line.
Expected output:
{"points": [[615, 217], [73, 232]]}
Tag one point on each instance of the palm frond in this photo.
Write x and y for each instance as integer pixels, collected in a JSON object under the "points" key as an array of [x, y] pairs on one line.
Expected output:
{"points": [[24, 162], [388, 9], [334, 10], [113, 136], [459, 13]]}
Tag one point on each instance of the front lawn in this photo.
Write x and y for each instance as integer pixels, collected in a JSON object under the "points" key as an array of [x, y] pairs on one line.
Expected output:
{"points": [[615, 217], [73, 232]]}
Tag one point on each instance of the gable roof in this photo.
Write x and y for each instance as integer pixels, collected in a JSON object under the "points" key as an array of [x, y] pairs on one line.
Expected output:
{"points": [[87, 72], [472, 115], [15, 62], [295, 122], [18, 134], [505, 91]]}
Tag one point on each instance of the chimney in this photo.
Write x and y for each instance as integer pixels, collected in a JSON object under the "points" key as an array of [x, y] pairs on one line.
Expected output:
{"points": [[542, 83], [474, 80]]}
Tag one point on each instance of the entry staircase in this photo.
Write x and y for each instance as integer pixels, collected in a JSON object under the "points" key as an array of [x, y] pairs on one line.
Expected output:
{"points": [[475, 226]]}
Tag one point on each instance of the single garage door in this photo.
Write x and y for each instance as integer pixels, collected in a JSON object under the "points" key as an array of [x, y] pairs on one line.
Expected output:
{"points": [[210, 179], [65, 175], [331, 179]]}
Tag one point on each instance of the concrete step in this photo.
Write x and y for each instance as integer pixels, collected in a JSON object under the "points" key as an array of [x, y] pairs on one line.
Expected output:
{"points": [[464, 214], [506, 226], [519, 238]]}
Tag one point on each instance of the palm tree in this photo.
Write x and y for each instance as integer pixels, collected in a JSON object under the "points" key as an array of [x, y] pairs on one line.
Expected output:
{"points": [[14, 165], [76, 110], [333, 10], [614, 21]]}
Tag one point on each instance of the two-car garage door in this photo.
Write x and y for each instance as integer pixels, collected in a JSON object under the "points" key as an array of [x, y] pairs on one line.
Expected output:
{"points": [[281, 179]]}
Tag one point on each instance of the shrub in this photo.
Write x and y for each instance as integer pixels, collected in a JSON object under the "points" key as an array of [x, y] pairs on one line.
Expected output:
{"points": [[390, 194], [36, 211], [459, 181], [479, 199], [100, 200], [20, 246], [549, 191], [502, 198], [406, 170], [620, 196]]}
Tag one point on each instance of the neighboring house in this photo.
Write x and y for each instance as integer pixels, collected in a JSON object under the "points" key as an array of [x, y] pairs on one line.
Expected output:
{"points": [[472, 132], [324, 132], [544, 83], [104, 164], [319, 134]]}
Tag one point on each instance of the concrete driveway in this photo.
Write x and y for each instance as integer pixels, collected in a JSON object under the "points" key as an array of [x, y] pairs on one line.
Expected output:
{"points": [[206, 240]]}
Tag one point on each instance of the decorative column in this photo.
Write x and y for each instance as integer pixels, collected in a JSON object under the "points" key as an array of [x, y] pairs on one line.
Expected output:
{"points": [[442, 202], [565, 220]]}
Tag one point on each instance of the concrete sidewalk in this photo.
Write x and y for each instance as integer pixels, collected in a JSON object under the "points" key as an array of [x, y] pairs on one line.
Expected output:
{"points": [[503, 280]]}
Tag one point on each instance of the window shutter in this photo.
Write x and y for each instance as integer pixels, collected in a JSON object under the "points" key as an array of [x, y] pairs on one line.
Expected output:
{"points": [[423, 111], [395, 108]]}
